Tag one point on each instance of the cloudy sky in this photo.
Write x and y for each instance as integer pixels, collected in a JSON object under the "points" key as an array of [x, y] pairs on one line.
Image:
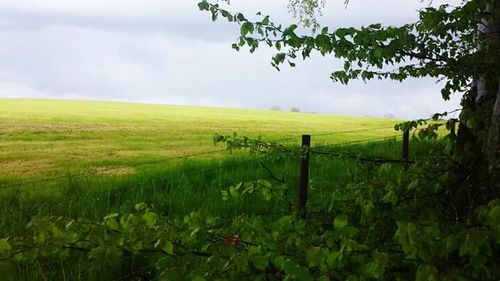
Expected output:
{"points": [[166, 51]]}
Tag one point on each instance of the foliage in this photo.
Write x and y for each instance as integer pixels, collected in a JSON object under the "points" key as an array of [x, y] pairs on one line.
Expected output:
{"points": [[449, 43], [271, 149], [432, 125], [395, 226], [264, 187], [442, 44], [306, 11]]}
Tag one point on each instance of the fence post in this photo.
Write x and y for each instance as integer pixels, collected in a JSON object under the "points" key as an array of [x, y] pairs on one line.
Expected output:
{"points": [[304, 176], [406, 148], [453, 137]]}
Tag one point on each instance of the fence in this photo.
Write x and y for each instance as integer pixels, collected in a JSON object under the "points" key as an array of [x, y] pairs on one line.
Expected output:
{"points": [[335, 151], [305, 161], [341, 148], [330, 150]]}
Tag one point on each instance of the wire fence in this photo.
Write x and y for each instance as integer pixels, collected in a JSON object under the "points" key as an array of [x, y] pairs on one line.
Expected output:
{"points": [[332, 149], [353, 131], [378, 149]]}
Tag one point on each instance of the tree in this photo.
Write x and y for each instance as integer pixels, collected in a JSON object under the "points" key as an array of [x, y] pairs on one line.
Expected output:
{"points": [[460, 45]]}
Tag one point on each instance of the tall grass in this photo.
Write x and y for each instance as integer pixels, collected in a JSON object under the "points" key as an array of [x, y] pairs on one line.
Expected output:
{"points": [[176, 190], [194, 185]]}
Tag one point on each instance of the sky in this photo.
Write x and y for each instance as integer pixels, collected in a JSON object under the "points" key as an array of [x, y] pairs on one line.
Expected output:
{"points": [[168, 52]]}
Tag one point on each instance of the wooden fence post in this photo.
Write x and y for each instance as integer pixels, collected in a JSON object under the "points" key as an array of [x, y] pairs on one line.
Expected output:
{"points": [[453, 136], [406, 148], [304, 176]]}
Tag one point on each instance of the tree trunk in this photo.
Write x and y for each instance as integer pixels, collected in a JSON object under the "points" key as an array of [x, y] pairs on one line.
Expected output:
{"points": [[492, 31], [478, 145], [494, 146]]}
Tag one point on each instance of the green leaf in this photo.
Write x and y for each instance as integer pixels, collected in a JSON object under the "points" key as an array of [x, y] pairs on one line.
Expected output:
{"points": [[5, 248], [246, 28], [367, 208], [380, 258], [203, 5], [233, 190], [259, 261], [267, 194], [474, 240], [295, 272], [168, 247], [407, 235], [314, 256], [292, 27], [265, 21], [265, 183], [241, 262], [277, 45], [373, 270], [279, 58], [347, 65], [240, 17], [150, 219], [225, 195], [390, 197], [112, 223], [40, 238], [227, 15], [427, 272], [340, 221], [494, 217], [140, 207], [348, 231], [333, 259]]}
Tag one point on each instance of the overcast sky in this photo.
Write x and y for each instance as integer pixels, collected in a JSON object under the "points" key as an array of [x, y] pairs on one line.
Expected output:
{"points": [[166, 51]]}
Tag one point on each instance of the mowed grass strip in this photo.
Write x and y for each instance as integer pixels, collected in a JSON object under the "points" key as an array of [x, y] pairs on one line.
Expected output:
{"points": [[46, 138]]}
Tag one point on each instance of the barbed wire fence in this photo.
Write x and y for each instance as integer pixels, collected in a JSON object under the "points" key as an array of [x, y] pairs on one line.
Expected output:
{"points": [[339, 148], [346, 147]]}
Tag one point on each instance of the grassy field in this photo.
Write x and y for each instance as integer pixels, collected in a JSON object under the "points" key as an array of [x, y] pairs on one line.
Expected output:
{"points": [[130, 153], [88, 158], [45, 138]]}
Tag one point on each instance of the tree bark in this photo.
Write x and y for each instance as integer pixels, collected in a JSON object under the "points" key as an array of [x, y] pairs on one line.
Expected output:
{"points": [[494, 146], [478, 145], [492, 31]]}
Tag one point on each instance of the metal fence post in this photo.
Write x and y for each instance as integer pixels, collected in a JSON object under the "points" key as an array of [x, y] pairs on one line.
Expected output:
{"points": [[304, 176]]}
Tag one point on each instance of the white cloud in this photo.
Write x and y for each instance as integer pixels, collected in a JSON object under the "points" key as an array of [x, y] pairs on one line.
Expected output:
{"points": [[168, 52], [19, 90]]}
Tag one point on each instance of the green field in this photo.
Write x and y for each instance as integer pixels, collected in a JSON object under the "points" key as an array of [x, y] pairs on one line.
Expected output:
{"points": [[44, 138], [82, 159], [88, 158]]}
